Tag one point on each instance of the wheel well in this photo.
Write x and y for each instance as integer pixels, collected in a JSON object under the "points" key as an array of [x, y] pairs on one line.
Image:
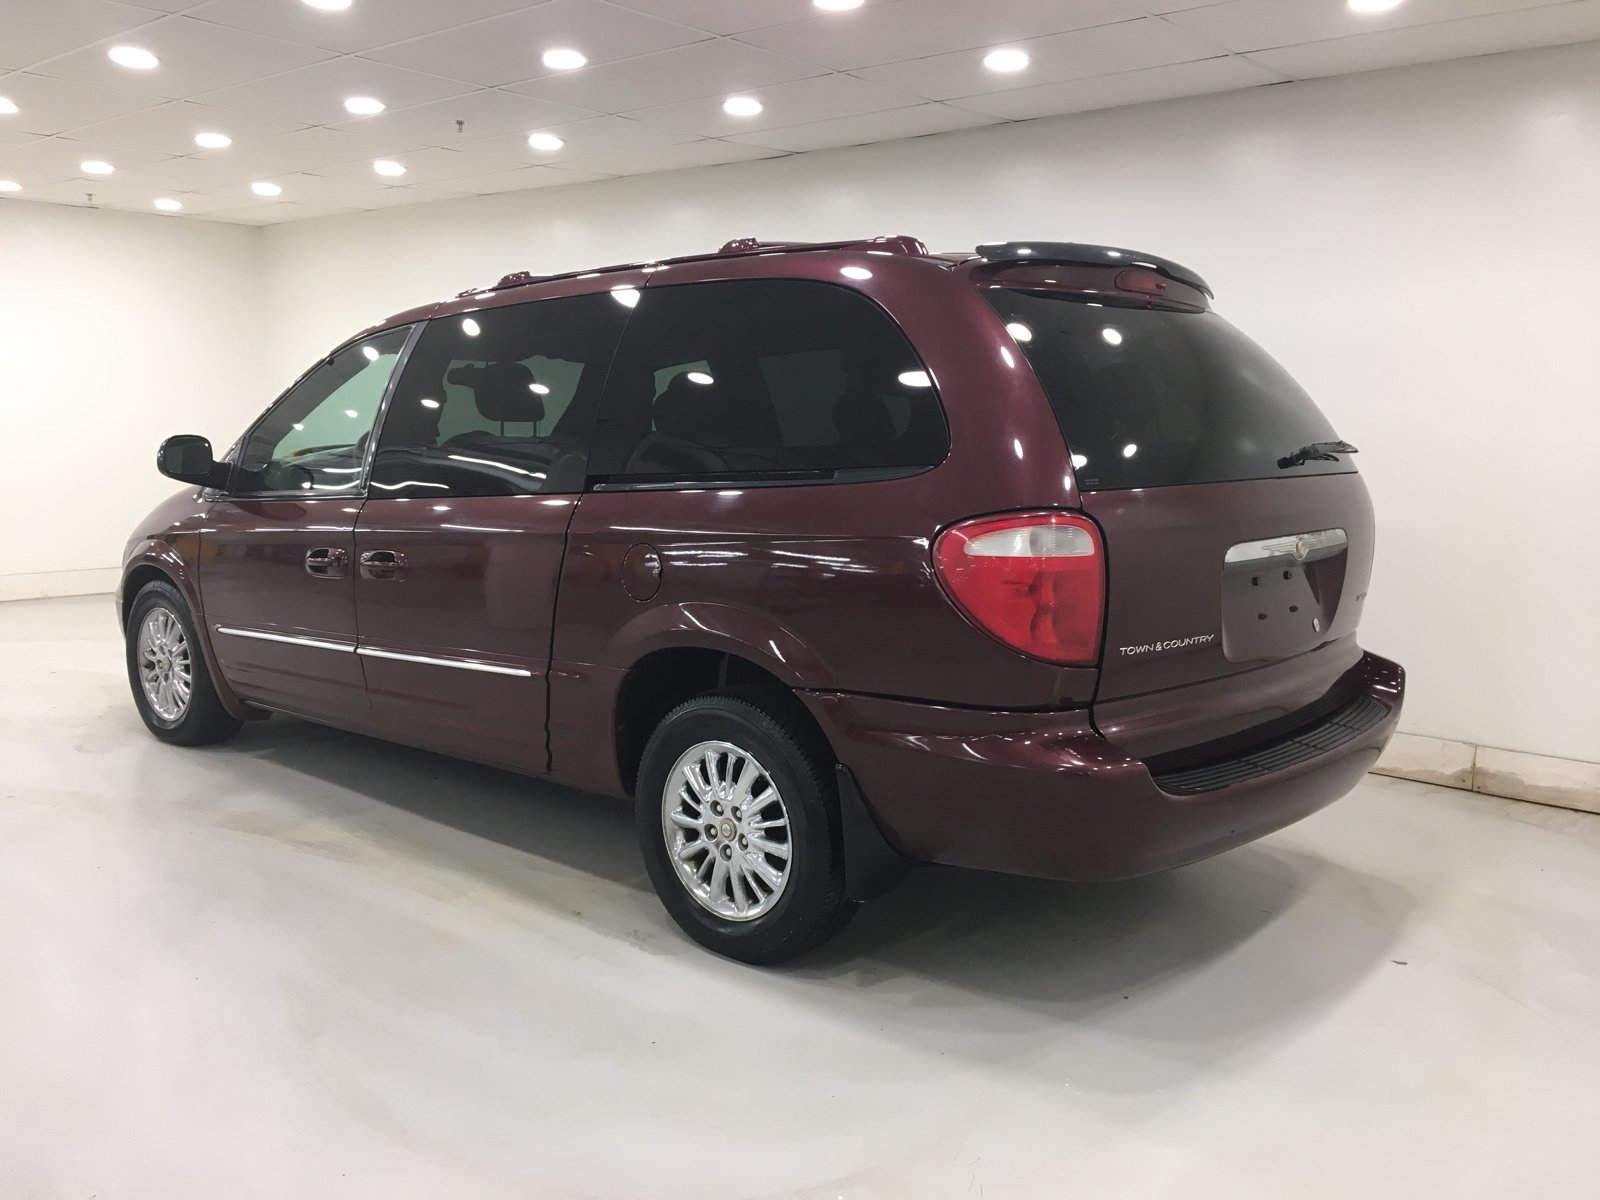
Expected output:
{"points": [[661, 681], [134, 584]]}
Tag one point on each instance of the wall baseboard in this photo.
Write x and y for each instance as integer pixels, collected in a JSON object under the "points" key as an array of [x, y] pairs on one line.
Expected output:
{"points": [[58, 583], [1538, 778]]}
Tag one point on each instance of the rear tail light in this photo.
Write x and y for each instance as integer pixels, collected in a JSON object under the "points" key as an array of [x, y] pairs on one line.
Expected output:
{"points": [[1035, 581]]}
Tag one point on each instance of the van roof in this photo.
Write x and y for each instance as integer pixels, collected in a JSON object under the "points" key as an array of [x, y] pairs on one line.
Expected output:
{"points": [[990, 254]]}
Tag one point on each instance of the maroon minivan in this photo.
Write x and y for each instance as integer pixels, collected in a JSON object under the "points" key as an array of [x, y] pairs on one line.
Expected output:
{"points": [[837, 558]]}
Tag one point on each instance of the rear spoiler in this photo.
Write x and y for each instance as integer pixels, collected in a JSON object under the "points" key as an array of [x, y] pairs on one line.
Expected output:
{"points": [[1083, 255]]}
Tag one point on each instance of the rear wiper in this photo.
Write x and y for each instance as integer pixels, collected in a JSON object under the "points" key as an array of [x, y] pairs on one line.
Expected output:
{"points": [[1322, 451]]}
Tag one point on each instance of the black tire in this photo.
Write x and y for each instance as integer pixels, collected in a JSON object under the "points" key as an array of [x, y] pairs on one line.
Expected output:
{"points": [[812, 905], [204, 720]]}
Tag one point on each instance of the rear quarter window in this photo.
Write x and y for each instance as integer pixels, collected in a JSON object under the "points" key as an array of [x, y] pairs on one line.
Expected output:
{"points": [[774, 378], [1152, 397]]}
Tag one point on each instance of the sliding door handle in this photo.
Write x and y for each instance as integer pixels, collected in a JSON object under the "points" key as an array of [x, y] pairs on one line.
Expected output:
{"points": [[327, 562], [383, 564]]}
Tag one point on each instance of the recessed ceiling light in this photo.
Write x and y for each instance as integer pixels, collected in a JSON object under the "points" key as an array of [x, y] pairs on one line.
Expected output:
{"points": [[329, 5], [741, 106], [1369, 7], [263, 188], [547, 142], [836, 5], [135, 58], [855, 272], [1006, 60], [363, 106], [7, 105], [387, 166], [94, 166], [563, 58], [10, 185], [213, 141], [168, 204]]}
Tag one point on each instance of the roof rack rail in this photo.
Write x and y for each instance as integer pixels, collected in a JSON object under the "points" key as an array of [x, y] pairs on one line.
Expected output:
{"points": [[894, 244], [897, 244], [1084, 255]]}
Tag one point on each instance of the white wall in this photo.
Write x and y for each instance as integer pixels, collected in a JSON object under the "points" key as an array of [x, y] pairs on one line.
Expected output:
{"points": [[116, 329], [1418, 246]]}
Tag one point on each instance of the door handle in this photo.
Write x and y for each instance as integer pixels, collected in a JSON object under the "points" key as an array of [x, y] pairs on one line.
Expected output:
{"points": [[326, 562], [383, 564]]}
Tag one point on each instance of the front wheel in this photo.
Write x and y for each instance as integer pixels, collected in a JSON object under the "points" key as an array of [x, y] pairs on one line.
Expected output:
{"points": [[739, 825], [167, 671]]}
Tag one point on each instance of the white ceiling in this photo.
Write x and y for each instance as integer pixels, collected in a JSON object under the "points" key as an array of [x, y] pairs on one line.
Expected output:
{"points": [[464, 85]]}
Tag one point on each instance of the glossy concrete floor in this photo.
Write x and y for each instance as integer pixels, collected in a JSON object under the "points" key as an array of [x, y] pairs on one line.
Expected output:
{"points": [[307, 964]]}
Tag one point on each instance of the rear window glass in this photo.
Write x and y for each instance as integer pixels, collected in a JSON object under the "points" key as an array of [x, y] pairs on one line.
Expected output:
{"points": [[1154, 397]]}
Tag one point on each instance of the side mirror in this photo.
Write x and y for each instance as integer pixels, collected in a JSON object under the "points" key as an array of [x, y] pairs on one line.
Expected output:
{"points": [[187, 458]]}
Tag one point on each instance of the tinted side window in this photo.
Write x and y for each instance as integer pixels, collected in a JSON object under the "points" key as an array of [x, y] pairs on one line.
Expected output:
{"points": [[765, 377], [499, 402], [315, 437]]}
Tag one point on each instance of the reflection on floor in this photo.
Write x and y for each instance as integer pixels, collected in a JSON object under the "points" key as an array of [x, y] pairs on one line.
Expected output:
{"points": [[309, 964]]}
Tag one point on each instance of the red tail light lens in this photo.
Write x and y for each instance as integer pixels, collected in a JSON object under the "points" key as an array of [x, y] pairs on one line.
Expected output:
{"points": [[1035, 581]]}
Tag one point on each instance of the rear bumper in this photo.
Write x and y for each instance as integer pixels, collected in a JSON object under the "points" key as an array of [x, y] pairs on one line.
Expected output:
{"points": [[1045, 794]]}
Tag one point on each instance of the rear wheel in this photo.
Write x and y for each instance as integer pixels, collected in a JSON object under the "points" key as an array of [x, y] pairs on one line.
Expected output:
{"points": [[167, 670], [739, 825]]}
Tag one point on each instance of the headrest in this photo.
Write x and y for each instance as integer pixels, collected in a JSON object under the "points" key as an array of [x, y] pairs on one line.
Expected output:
{"points": [[502, 391], [707, 413]]}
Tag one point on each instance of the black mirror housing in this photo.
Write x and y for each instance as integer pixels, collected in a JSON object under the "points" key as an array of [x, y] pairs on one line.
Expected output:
{"points": [[187, 458]]}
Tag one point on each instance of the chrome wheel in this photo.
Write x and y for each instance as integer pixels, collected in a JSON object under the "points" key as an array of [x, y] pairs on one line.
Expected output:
{"points": [[727, 830], [166, 672]]}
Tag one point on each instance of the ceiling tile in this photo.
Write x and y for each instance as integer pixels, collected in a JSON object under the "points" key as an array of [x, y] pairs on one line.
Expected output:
{"points": [[195, 57], [735, 16], [1556, 25], [136, 191], [422, 166], [11, 138], [277, 214], [35, 31], [905, 29], [312, 149], [170, 128], [524, 177], [1125, 46], [915, 121], [196, 173], [1242, 25], [46, 105], [316, 94], [50, 160], [682, 73], [393, 197], [363, 26], [484, 113], [506, 49], [585, 139], [704, 153], [800, 102], [1159, 7], [1129, 87]]}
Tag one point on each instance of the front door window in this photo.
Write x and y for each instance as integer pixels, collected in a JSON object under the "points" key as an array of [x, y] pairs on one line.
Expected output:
{"points": [[314, 440]]}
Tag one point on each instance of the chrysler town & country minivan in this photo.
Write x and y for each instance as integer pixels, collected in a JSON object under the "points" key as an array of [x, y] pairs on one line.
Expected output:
{"points": [[836, 558]]}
